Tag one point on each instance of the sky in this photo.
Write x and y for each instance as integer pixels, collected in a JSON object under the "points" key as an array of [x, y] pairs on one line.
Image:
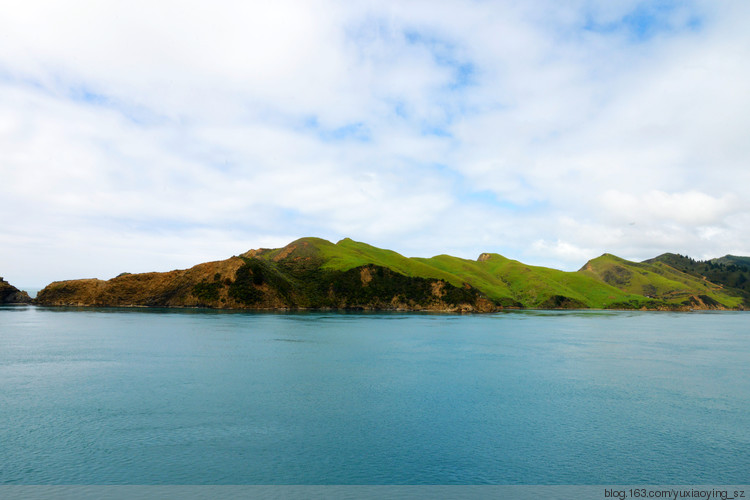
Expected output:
{"points": [[154, 135]]}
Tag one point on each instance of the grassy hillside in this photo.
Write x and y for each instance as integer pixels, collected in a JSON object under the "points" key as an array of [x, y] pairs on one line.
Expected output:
{"points": [[508, 283], [661, 281], [730, 271], [533, 286], [729, 260]]}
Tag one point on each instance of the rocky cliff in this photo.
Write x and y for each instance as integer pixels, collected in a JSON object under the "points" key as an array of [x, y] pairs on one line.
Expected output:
{"points": [[12, 295]]}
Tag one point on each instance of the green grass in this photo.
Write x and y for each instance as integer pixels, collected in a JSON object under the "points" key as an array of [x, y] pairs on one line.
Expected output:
{"points": [[658, 280], [507, 282], [309, 273], [729, 271], [535, 286]]}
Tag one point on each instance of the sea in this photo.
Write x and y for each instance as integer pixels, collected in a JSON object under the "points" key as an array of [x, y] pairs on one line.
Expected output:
{"points": [[205, 397]]}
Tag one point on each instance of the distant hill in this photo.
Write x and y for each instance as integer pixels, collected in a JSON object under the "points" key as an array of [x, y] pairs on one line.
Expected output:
{"points": [[663, 279], [730, 271], [733, 260], [312, 273], [12, 295]]}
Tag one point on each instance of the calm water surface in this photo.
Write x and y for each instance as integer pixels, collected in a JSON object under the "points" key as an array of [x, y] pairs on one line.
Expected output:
{"points": [[181, 397]]}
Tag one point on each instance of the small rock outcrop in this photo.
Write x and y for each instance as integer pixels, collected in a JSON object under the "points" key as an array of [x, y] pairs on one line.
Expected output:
{"points": [[12, 295]]}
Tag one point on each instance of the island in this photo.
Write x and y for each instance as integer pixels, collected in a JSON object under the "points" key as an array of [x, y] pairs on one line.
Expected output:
{"points": [[313, 273]]}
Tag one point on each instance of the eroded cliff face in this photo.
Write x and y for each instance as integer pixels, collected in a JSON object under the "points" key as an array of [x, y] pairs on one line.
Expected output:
{"points": [[12, 295], [285, 281]]}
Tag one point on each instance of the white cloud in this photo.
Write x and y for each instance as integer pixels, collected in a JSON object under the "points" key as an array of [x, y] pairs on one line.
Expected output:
{"points": [[691, 208], [138, 134], [561, 250]]}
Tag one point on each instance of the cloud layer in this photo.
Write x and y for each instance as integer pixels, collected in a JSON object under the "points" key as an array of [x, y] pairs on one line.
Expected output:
{"points": [[154, 135]]}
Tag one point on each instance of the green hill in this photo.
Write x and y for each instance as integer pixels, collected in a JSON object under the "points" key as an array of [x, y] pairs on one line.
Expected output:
{"points": [[662, 279], [533, 286], [730, 271], [729, 260], [507, 283]]}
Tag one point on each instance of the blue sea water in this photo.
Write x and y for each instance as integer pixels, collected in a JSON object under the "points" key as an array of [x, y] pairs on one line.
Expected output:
{"points": [[203, 397]]}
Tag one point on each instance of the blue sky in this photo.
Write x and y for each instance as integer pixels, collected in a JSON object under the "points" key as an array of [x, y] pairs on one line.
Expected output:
{"points": [[157, 135]]}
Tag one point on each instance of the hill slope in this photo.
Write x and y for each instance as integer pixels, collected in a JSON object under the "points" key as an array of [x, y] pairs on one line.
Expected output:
{"points": [[312, 273], [730, 271], [507, 283], [308, 273], [12, 295], [660, 280]]}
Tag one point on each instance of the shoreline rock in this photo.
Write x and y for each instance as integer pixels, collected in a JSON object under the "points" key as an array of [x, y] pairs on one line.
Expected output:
{"points": [[12, 295]]}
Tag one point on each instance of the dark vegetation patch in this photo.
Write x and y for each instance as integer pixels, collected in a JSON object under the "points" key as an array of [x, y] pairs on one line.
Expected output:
{"points": [[562, 302], [617, 275], [207, 291], [385, 285], [9, 293], [629, 304], [732, 272], [709, 301], [508, 302], [301, 282], [696, 301], [246, 280]]}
